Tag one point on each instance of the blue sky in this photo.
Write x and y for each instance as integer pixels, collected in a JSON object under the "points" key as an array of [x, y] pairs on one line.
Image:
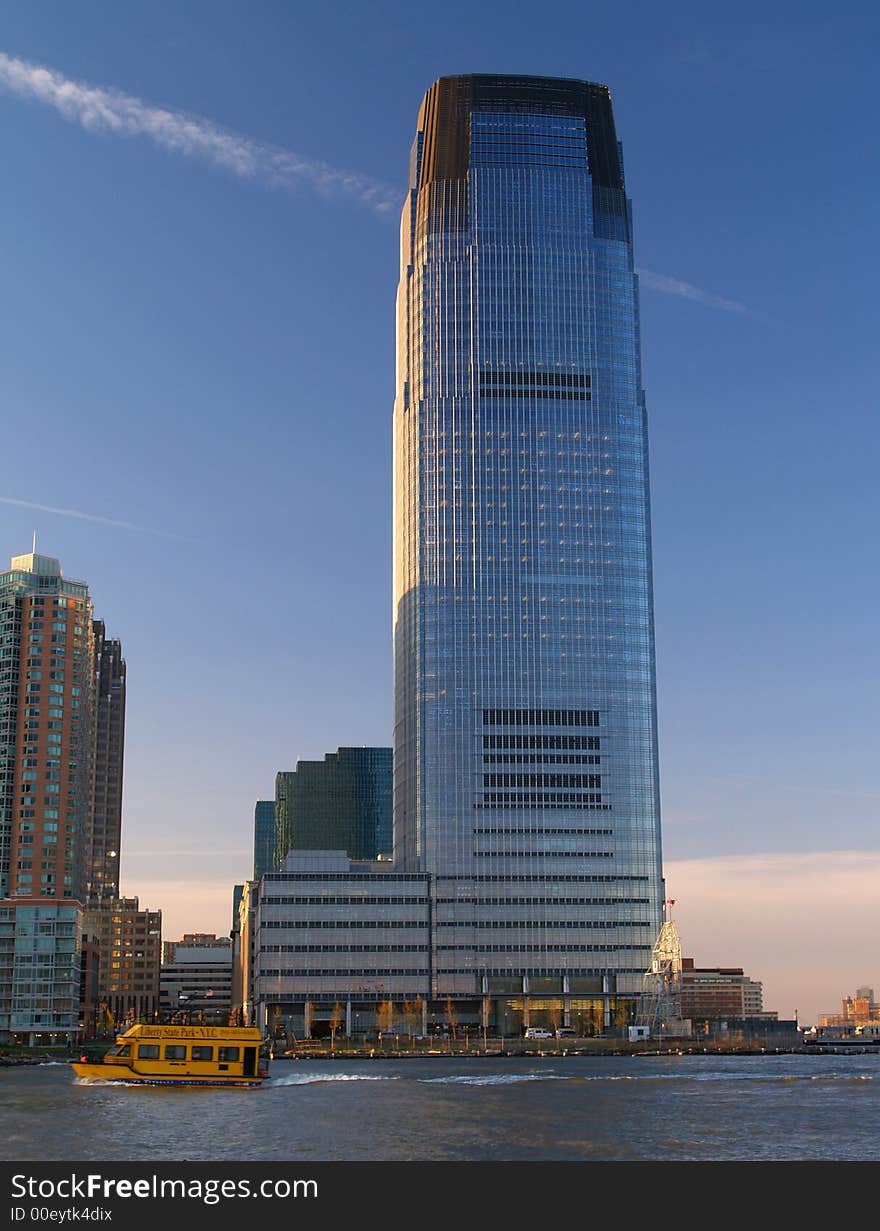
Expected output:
{"points": [[197, 336]]}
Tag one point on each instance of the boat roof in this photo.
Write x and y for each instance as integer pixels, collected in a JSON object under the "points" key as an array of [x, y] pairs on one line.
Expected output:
{"points": [[242, 1034]]}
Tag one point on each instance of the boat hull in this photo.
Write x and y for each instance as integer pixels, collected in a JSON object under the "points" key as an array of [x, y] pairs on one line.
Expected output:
{"points": [[122, 1074]]}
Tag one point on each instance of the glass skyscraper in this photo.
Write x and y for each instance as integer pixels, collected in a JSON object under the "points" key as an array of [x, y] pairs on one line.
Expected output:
{"points": [[341, 803], [525, 730], [264, 839]]}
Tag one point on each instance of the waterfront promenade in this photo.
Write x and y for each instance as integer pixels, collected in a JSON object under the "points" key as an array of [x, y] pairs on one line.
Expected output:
{"points": [[404, 1048]]}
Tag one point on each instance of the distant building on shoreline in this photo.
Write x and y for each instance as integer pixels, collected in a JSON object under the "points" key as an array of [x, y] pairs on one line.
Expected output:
{"points": [[196, 978], [856, 1011], [712, 992]]}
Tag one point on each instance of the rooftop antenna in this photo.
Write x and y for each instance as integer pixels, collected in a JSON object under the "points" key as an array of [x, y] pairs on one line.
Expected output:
{"points": [[34, 547]]}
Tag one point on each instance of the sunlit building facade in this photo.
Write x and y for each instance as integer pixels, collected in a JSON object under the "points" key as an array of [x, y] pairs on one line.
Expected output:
{"points": [[47, 730], [718, 991], [130, 941], [49, 672], [525, 732]]}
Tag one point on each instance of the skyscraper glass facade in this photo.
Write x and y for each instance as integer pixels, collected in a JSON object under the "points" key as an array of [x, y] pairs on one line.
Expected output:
{"points": [[105, 819], [264, 837], [525, 738], [342, 803]]}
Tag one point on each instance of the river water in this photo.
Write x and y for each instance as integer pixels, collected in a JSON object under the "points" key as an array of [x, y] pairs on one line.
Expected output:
{"points": [[710, 1108]]}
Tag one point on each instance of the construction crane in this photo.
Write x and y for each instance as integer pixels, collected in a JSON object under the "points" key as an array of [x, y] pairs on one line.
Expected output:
{"points": [[660, 1004]]}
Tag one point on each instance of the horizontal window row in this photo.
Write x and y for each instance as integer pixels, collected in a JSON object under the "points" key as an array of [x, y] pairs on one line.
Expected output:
{"points": [[476, 878], [575, 924], [525, 159], [579, 380], [578, 972], [329, 877], [546, 948], [541, 718], [544, 780], [540, 758], [177, 1051], [345, 923], [542, 901], [558, 395], [535, 138], [340, 900], [542, 832], [535, 799], [544, 854], [589, 742], [349, 949], [344, 972]]}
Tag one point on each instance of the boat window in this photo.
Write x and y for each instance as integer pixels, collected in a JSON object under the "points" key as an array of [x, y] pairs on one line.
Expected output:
{"points": [[203, 1053], [175, 1051], [124, 1050], [227, 1053], [148, 1051]]}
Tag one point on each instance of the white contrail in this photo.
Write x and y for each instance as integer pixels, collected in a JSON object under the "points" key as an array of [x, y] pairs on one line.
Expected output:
{"points": [[106, 110], [686, 290], [106, 521]]}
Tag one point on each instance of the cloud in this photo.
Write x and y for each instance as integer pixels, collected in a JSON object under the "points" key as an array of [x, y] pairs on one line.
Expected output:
{"points": [[686, 290], [105, 521], [100, 110]]}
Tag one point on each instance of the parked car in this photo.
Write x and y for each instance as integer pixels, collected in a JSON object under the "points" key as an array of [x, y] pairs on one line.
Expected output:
{"points": [[566, 1032], [535, 1032]]}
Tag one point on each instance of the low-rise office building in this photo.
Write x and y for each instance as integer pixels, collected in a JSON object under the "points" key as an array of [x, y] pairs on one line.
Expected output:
{"points": [[340, 944], [196, 978], [331, 932], [709, 992]]}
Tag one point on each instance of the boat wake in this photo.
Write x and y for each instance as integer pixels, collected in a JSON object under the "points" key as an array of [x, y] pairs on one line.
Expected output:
{"points": [[497, 1079], [308, 1079]]}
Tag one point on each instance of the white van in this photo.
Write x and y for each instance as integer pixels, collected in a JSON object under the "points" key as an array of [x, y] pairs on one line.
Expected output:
{"points": [[535, 1032]]}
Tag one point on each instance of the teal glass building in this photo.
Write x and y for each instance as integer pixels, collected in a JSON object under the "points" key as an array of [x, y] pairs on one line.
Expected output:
{"points": [[342, 803], [264, 838], [525, 729]]}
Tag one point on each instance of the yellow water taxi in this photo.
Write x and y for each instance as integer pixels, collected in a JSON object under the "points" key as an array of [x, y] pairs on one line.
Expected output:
{"points": [[182, 1056]]}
